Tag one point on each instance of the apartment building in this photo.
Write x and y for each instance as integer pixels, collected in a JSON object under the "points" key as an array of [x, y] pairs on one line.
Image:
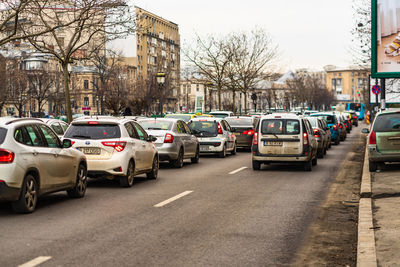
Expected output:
{"points": [[347, 84]]}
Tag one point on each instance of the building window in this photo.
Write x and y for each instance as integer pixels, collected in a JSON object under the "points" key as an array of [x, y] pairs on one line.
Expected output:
{"points": [[86, 101], [197, 88], [86, 84]]}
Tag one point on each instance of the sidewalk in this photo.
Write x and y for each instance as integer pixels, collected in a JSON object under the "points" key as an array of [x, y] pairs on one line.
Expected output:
{"points": [[379, 217]]}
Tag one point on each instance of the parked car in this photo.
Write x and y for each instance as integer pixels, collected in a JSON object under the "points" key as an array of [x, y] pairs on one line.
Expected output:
{"points": [[327, 131], [185, 117], [34, 162], [354, 118], [333, 124], [243, 128], [384, 139], [284, 138], [221, 114], [348, 123], [58, 126], [214, 135], [320, 135], [116, 148], [175, 141], [341, 127]]}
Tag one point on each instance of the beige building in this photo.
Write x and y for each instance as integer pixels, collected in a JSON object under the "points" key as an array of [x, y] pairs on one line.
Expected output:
{"points": [[347, 84]]}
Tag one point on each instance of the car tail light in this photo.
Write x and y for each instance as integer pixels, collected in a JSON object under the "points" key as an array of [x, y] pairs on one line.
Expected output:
{"points": [[317, 133], [73, 142], [334, 127], [119, 145], [220, 129], [340, 126], [249, 132], [255, 139], [6, 156], [372, 138], [347, 125], [93, 122], [305, 139], [169, 138]]}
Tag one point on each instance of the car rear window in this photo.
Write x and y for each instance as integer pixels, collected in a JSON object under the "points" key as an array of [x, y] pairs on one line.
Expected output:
{"points": [[97, 131], [185, 118], [313, 121], [328, 118], [387, 123], [204, 128], [239, 121], [156, 125], [3, 133], [280, 126]]}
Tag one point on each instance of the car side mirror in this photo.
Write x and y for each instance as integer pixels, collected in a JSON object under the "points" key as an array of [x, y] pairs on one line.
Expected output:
{"points": [[66, 143], [151, 138], [365, 131]]}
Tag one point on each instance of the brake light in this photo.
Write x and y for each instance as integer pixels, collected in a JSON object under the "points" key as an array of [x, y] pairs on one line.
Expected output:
{"points": [[347, 126], [169, 138], [372, 138], [305, 139], [334, 127], [118, 145], [255, 139], [317, 133], [73, 142], [6, 156], [340, 126], [93, 122], [220, 129], [249, 132]]}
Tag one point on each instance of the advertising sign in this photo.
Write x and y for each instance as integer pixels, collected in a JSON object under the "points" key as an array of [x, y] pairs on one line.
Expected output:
{"points": [[385, 39]]}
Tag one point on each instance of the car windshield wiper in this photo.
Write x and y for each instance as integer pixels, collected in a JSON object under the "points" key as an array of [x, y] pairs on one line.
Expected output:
{"points": [[81, 136], [153, 128]]}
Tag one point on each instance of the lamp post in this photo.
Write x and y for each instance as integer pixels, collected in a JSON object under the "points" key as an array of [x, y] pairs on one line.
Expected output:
{"points": [[161, 81]]}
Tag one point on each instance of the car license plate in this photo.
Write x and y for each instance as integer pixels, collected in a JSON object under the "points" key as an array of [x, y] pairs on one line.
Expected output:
{"points": [[205, 148], [90, 150], [273, 143]]}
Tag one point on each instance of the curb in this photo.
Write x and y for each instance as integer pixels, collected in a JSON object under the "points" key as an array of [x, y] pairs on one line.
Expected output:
{"points": [[366, 251]]}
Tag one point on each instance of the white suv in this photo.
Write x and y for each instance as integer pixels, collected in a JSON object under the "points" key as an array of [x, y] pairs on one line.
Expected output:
{"points": [[34, 162], [116, 148]]}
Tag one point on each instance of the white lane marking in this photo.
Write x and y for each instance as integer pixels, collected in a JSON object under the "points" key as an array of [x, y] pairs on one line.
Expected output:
{"points": [[36, 262], [161, 204], [238, 170]]}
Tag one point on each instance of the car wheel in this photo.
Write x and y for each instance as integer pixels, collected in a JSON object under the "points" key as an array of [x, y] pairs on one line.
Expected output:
{"points": [[222, 154], [234, 150], [320, 154], [373, 166], [307, 166], [330, 144], [178, 163], [196, 157], [154, 170], [81, 183], [256, 165], [325, 149], [127, 181], [27, 200], [315, 161], [337, 141]]}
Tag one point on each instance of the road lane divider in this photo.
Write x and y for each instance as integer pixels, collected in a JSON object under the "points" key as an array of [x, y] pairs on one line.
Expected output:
{"points": [[35, 262], [161, 204], [238, 170]]}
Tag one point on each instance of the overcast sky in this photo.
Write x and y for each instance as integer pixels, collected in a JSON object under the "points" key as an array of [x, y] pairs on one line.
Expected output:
{"points": [[309, 33]]}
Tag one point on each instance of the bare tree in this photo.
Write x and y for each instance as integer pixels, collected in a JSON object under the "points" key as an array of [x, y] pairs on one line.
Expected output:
{"points": [[17, 84], [118, 93], [40, 84], [3, 84], [86, 26]]}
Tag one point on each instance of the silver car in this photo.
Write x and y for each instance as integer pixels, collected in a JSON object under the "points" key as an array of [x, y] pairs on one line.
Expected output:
{"points": [[175, 141], [58, 126], [215, 136], [34, 162]]}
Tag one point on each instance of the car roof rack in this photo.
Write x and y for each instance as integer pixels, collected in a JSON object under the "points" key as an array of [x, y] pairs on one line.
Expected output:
{"points": [[23, 119]]}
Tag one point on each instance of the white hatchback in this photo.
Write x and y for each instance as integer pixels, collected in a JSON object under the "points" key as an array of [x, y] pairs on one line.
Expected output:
{"points": [[115, 148], [34, 162]]}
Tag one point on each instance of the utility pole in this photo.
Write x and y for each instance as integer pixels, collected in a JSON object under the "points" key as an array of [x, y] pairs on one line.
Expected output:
{"points": [[383, 94]]}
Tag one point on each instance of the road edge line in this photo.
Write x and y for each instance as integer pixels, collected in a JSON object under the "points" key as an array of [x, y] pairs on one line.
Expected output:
{"points": [[366, 247]]}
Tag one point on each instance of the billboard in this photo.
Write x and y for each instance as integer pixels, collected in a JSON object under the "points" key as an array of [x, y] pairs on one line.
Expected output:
{"points": [[392, 88], [385, 39]]}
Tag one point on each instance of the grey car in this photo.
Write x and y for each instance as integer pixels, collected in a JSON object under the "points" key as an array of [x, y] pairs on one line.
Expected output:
{"points": [[320, 134], [243, 128], [59, 126], [175, 141]]}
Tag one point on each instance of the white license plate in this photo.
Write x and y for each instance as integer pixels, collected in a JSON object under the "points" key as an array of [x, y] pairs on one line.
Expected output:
{"points": [[273, 143], [205, 148], [90, 150]]}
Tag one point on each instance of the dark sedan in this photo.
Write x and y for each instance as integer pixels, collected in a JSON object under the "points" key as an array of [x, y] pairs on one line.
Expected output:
{"points": [[243, 128]]}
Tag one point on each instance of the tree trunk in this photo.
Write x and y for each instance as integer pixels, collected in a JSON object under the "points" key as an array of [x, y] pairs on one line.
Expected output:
{"points": [[219, 98], [67, 94], [233, 100], [245, 102]]}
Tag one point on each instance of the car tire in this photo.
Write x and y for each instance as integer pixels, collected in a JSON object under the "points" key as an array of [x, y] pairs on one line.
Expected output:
{"points": [[222, 154], [79, 190], [330, 145], [127, 180], [320, 154], [154, 169], [307, 166], [256, 165], [196, 158], [337, 141], [314, 161], [234, 150], [178, 163], [373, 166], [27, 200]]}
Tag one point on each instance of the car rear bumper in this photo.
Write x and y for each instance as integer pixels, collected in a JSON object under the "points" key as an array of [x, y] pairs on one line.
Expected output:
{"points": [[167, 152], [376, 156], [211, 147], [281, 158], [8, 193], [114, 166]]}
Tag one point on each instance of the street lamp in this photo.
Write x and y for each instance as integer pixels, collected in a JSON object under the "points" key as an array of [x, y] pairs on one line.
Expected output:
{"points": [[161, 81]]}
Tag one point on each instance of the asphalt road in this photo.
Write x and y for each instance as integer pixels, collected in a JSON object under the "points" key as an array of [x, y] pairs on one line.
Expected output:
{"points": [[245, 218]]}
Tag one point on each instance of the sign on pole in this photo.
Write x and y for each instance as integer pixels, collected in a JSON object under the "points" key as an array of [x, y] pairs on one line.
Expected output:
{"points": [[376, 89]]}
